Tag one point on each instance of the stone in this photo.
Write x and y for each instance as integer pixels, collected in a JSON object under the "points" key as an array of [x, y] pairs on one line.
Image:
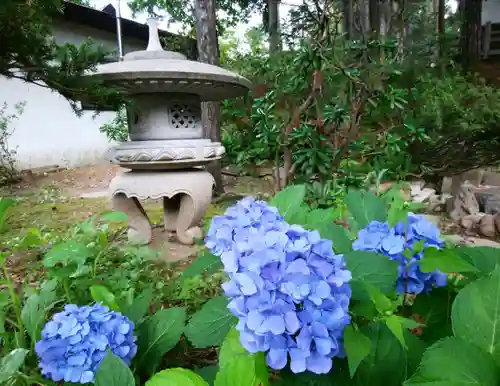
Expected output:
{"points": [[487, 225], [489, 200], [462, 203], [436, 204], [446, 185], [497, 222], [471, 177], [471, 241], [471, 221], [186, 195], [166, 149], [491, 178], [416, 187], [423, 196], [434, 219]]}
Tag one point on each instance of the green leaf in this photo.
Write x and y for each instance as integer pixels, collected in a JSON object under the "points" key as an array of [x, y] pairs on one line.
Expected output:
{"points": [[36, 307], [475, 314], [435, 309], [317, 218], [176, 377], [388, 363], [244, 370], [382, 303], [210, 325], [397, 325], [231, 348], [485, 259], [114, 217], [158, 335], [365, 207], [371, 268], [357, 347], [139, 306], [112, 371], [288, 201], [444, 260], [206, 263], [102, 295], [300, 216], [452, 362], [5, 204], [11, 363], [338, 235], [208, 373], [66, 253]]}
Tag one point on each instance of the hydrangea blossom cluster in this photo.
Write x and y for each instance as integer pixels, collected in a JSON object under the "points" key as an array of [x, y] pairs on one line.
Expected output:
{"points": [[75, 341], [392, 242], [287, 287]]}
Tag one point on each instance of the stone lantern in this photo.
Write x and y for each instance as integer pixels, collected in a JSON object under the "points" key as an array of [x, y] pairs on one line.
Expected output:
{"points": [[166, 152]]}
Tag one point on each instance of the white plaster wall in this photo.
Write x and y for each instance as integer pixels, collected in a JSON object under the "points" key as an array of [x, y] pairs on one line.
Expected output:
{"points": [[49, 132], [491, 11]]}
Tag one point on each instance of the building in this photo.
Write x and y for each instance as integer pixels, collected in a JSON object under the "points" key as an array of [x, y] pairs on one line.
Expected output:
{"points": [[48, 132]]}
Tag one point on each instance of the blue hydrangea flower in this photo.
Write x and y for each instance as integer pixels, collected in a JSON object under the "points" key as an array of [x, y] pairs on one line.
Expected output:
{"points": [[287, 287], [392, 242], [75, 341]]}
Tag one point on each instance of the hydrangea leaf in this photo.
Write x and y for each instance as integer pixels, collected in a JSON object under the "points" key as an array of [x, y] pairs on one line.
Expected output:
{"points": [[336, 377], [206, 263], [300, 216], [371, 268], [114, 216], [243, 370], [210, 325], [435, 310], [484, 259], [357, 347], [208, 373], [231, 348], [176, 377], [452, 361], [365, 207], [102, 295], [388, 364], [11, 363], [338, 235], [288, 200], [66, 253], [317, 218], [475, 314], [158, 335], [398, 325], [112, 371], [444, 260], [5, 204], [138, 307], [36, 307]]}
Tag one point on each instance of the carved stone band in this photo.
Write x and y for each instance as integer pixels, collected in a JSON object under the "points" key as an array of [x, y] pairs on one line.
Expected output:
{"points": [[186, 196], [171, 154]]}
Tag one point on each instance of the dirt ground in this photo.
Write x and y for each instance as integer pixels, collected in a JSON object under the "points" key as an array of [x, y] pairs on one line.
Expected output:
{"points": [[59, 199]]}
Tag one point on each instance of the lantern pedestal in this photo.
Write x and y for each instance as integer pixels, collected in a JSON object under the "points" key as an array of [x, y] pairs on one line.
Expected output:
{"points": [[186, 195]]}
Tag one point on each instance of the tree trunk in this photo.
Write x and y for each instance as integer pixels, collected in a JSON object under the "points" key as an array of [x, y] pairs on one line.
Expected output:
{"points": [[375, 18], [208, 52], [470, 34], [349, 19], [274, 26]]}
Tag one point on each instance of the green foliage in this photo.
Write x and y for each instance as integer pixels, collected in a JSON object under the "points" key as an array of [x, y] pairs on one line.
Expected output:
{"points": [[210, 325], [158, 335], [113, 372]]}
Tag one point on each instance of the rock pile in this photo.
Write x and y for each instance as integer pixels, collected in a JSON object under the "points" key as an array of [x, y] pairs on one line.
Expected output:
{"points": [[472, 199]]}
